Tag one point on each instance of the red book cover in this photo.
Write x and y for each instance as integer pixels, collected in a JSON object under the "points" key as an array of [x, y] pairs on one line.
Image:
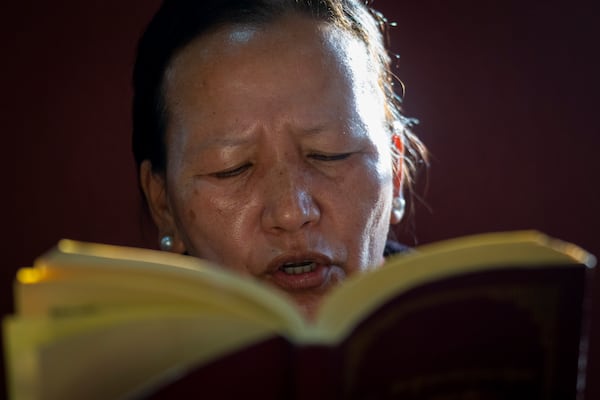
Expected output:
{"points": [[510, 334]]}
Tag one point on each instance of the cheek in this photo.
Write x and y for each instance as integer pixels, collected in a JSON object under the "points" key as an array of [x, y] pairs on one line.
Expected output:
{"points": [[365, 204], [191, 216], [211, 224], [376, 189], [378, 180]]}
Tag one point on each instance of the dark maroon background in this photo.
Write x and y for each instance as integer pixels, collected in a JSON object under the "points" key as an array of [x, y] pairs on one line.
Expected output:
{"points": [[506, 92]]}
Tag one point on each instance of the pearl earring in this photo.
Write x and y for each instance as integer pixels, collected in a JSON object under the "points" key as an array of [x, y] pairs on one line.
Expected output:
{"points": [[166, 243], [399, 204]]}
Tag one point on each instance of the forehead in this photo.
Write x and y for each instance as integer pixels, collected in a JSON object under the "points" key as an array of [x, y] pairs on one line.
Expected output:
{"points": [[293, 63], [289, 28], [288, 39]]}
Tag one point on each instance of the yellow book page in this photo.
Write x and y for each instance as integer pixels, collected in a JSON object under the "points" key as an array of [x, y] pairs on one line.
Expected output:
{"points": [[94, 275], [92, 292], [361, 295], [60, 358]]}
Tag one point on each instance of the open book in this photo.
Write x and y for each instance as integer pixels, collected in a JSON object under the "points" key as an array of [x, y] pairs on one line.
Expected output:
{"points": [[489, 316]]}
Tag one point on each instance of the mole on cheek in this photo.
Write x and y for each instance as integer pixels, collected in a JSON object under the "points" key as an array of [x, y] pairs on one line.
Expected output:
{"points": [[192, 215]]}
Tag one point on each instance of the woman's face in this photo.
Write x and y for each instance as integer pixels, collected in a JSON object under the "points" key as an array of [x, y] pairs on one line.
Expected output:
{"points": [[278, 158]]}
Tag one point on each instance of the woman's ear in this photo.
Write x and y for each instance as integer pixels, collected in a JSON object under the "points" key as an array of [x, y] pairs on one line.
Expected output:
{"points": [[154, 188], [398, 202]]}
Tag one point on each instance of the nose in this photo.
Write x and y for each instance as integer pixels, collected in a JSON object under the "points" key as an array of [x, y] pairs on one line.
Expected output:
{"points": [[289, 204]]}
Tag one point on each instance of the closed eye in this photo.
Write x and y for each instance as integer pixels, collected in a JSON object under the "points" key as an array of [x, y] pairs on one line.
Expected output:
{"points": [[330, 157], [230, 173]]}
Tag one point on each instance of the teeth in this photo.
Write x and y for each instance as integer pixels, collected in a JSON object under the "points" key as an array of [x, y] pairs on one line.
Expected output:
{"points": [[299, 268]]}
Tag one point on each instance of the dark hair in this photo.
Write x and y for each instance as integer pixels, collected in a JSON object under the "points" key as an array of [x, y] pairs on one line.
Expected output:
{"points": [[178, 22]]}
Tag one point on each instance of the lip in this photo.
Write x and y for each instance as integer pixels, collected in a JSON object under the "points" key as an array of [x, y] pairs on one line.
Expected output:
{"points": [[314, 279]]}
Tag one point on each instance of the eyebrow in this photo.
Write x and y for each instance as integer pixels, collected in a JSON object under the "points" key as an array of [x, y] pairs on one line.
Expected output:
{"points": [[315, 130], [224, 142], [219, 141]]}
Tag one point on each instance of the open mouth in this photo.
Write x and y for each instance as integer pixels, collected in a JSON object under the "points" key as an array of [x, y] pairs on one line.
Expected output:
{"points": [[299, 267]]}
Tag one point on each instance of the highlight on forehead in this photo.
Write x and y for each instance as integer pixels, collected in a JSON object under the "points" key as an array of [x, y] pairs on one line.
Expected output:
{"points": [[294, 37]]}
